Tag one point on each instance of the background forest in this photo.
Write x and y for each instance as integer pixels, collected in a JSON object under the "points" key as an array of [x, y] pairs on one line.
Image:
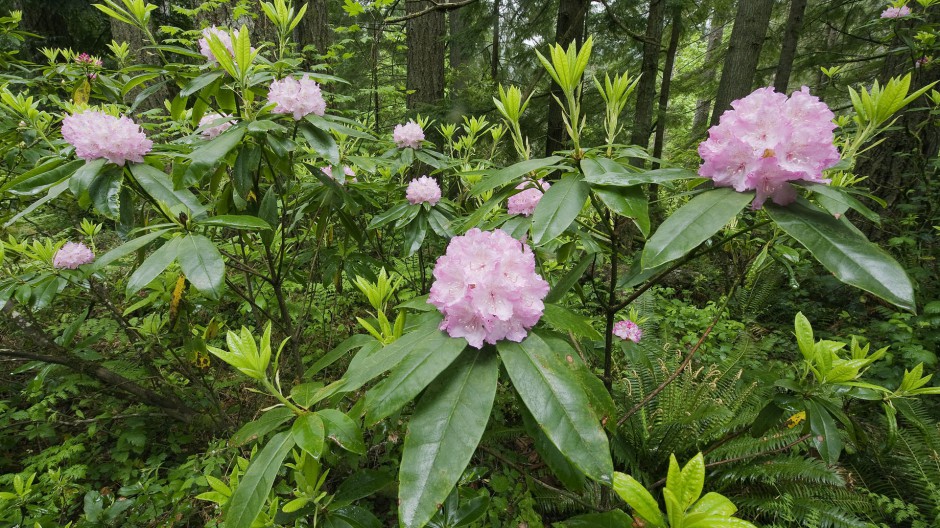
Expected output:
{"points": [[232, 315]]}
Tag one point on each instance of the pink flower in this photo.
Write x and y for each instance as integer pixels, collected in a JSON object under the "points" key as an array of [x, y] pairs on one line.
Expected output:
{"points": [[213, 131], [423, 189], [486, 286], [921, 61], [627, 329], [524, 203], [896, 12], [88, 60], [408, 135], [223, 37], [767, 140], [350, 174], [98, 135], [72, 255], [300, 98]]}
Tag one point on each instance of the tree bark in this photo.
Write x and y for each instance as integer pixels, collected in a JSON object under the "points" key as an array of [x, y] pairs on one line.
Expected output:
{"points": [[649, 71], [569, 28], [494, 60], [425, 39], [747, 39], [791, 36], [703, 106], [667, 81], [314, 28]]}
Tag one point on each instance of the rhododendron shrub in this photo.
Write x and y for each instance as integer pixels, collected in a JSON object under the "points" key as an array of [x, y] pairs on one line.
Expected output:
{"points": [[95, 135], [896, 12]]}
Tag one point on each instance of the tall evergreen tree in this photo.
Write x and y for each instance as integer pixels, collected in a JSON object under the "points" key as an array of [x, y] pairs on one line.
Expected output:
{"points": [[747, 38]]}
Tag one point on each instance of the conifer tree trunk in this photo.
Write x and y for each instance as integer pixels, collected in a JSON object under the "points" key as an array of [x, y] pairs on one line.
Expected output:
{"points": [[569, 28], [703, 106], [791, 36], [747, 39], [425, 39], [314, 29], [668, 68], [646, 87], [494, 62]]}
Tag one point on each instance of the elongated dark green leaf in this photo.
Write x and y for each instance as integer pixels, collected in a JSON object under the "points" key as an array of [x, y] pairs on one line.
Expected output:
{"points": [[503, 176], [603, 171], [610, 519], [201, 82], [38, 179], [322, 142], [569, 279], [558, 208], [419, 367], [236, 222], [630, 202], [253, 488], [341, 429], [353, 342], [82, 179], [243, 174], [126, 249], [840, 196], [564, 320], [845, 252], [693, 224], [825, 433], [208, 156], [308, 434], [443, 434], [51, 194], [361, 484], [158, 185], [550, 390], [266, 423], [563, 469], [202, 263], [105, 190], [153, 265]]}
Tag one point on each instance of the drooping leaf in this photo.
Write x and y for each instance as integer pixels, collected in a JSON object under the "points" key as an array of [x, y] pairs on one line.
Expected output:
{"points": [[248, 499], [607, 172], [825, 433], [158, 185], [609, 519], [246, 222], [208, 156], [505, 175], [202, 263], [558, 208], [153, 265], [322, 142], [630, 202]]}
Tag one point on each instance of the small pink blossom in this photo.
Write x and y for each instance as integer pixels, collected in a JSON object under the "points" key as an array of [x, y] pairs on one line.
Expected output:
{"points": [[767, 140], [423, 189], [213, 131], [298, 97], [350, 174], [627, 329], [88, 60], [486, 286], [408, 135], [223, 37], [921, 61], [524, 203], [98, 135], [896, 12], [72, 255]]}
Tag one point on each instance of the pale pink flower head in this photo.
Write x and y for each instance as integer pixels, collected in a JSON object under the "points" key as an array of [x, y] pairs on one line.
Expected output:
{"points": [[350, 174], [524, 203], [767, 140], [223, 37], [921, 61], [408, 135], [72, 255], [486, 286], [423, 189], [627, 329], [299, 97], [896, 12], [213, 131], [98, 135]]}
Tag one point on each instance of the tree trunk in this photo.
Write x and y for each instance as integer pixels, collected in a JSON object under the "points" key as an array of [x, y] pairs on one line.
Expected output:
{"points": [[425, 39], [649, 71], [314, 29], [703, 106], [791, 36], [494, 62], [747, 39], [569, 28], [667, 80]]}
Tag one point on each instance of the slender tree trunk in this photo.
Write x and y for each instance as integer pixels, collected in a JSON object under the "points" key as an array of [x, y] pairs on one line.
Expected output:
{"points": [[314, 29], [791, 36], [667, 81], [494, 62], [703, 106], [747, 39], [649, 71], [569, 28], [425, 38]]}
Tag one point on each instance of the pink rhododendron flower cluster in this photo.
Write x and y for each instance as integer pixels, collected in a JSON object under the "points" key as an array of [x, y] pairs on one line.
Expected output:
{"points": [[896, 12], [299, 97], [72, 255], [98, 135], [87, 60], [350, 174], [768, 139], [524, 203], [214, 131], [923, 61], [223, 37], [486, 286], [627, 329], [423, 189], [408, 135]]}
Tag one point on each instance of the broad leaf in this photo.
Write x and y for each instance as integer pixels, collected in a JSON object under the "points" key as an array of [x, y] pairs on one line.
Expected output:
{"points": [[236, 222], [208, 156], [341, 429], [609, 519], [308, 434], [845, 252], [692, 224], [202, 264], [558, 208], [503, 176], [126, 249], [550, 389], [253, 487], [825, 433], [153, 265], [158, 185], [630, 202], [322, 142], [642, 502], [443, 434], [607, 172]]}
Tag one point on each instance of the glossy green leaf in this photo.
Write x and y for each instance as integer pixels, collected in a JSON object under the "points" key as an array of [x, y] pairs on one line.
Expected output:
{"points": [[127, 248], [630, 202], [200, 82], [246, 222], [322, 142], [342, 430], [607, 172], [692, 224], [508, 174], [825, 433], [443, 434], [308, 433], [202, 263], [693, 480], [361, 484], [569, 279], [153, 265], [158, 185], [564, 320], [38, 179], [845, 252], [558, 208], [561, 467], [550, 390], [249, 498], [351, 343], [208, 156], [714, 504], [640, 500], [609, 519], [104, 192]]}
